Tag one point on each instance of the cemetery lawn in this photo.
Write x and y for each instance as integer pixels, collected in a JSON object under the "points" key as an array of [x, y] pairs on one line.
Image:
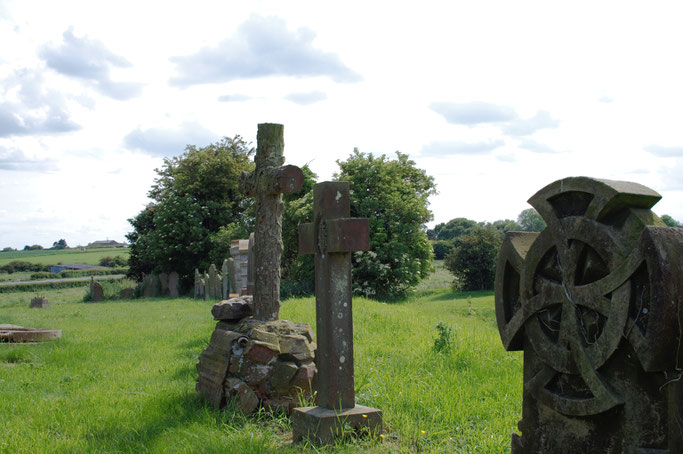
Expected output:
{"points": [[122, 378]]}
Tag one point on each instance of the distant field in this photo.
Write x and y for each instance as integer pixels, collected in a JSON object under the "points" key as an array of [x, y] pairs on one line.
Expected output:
{"points": [[53, 257]]}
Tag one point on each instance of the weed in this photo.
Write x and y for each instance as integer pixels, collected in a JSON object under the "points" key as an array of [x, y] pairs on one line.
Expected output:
{"points": [[442, 344]]}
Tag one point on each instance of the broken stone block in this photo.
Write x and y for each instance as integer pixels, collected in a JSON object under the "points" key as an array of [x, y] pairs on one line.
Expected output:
{"points": [[232, 309], [304, 377], [213, 366], [246, 400], [261, 352], [283, 372], [253, 373]]}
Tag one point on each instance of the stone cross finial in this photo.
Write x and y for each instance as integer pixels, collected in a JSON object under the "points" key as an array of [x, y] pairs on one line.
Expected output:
{"points": [[266, 184], [595, 300], [331, 238]]}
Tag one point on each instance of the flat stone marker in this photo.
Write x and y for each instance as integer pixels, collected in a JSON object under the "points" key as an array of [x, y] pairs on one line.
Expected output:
{"points": [[266, 184], [14, 333], [595, 301], [332, 238], [39, 301]]}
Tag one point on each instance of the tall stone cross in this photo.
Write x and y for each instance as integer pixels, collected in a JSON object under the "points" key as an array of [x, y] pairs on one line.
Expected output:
{"points": [[331, 238], [266, 184]]}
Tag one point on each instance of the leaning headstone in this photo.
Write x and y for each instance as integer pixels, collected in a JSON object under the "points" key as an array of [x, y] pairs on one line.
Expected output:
{"points": [[39, 301], [595, 300], [150, 286], [269, 180], [163, 284], [331, 241], [97, 292], [173, 283]]}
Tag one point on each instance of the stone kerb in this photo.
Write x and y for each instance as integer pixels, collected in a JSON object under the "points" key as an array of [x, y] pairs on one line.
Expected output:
{"points": [[594, 300]]}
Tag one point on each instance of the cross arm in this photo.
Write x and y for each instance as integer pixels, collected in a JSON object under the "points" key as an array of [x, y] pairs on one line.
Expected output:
{"points": [[272, 180], [340, 235]]}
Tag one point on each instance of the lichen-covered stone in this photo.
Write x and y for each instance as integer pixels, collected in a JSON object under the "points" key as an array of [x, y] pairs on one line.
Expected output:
{"points": [[232, 309]]}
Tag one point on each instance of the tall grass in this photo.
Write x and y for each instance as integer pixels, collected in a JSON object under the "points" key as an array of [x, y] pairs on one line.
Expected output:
{"points": [[122, 377]]}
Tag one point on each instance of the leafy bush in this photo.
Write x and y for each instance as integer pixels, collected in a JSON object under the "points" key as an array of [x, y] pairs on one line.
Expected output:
{"points": [[473, 259], [442, 344], [20, 265], [109, 261]]}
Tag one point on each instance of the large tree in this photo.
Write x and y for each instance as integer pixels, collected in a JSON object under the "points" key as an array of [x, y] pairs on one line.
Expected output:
{"points": [[393, 194], [530, 220], [196, 210]]}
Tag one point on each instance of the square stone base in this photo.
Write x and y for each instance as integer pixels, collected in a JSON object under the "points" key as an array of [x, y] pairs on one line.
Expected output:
{"points": [[323, 425]]}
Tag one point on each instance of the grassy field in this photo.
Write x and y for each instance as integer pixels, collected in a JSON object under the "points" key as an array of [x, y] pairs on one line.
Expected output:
{"points": [[53, 257], [122, 377]]}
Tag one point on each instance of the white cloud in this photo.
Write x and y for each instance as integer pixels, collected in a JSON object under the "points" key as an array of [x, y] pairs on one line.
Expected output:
{"points": [[169, 141], [444, 149], [262, 47], [306, 98], [473, 113], [665, 152]]}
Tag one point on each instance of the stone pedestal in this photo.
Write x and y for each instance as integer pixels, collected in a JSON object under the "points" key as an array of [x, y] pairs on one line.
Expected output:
{"points": [[323, 425]]}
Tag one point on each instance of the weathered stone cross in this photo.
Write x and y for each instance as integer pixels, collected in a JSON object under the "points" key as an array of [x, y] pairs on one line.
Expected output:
{"points": [[266, 184], [331, 238]]}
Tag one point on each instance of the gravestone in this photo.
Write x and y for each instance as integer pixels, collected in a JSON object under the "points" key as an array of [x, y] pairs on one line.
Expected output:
{"points": [[213, 282], [225, 280], [39, 301], [150, 286], [127, 293], [595, 302], [198, 287], [96, 291], [259, 361], [173, 282], [207, 286], [251, 266], [163, 284], [331, 239], [231, 278], [266, 184]]}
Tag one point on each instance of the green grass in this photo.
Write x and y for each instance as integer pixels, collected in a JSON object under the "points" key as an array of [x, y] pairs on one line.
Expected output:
{"points": [[122, 378], [53, 257]]}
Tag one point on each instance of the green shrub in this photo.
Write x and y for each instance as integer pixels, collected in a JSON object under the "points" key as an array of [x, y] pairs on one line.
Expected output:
{"points": [[111, 288], [442, 344], [117, 261]]}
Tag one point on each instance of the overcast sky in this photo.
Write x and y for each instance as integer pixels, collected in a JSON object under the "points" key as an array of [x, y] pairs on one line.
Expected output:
{"points": [[493, 99]]}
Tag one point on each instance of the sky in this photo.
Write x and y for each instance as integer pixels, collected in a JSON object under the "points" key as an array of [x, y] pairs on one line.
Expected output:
{"points": [[494, 99]]}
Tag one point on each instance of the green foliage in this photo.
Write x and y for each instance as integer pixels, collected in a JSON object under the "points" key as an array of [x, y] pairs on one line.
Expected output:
{"points": [[78, 273], [297, 271], [112, 262], [442, 344], [21, 265], [61, 244], [196, 210], [530, 221], [35, 247], [111, 288], [669, 221], [473, 259], [39, 286], [393, 194], [441, 248], [8, 249], [506, 225], [454, 228]]}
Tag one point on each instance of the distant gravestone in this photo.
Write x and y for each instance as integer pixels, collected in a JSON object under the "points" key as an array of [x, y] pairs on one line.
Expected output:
{"points": [[225, 280], [197, 284], [239, 250], [251, 265], [97, 292], [331, 240], [207, 286], [150, 286], [213, 282], [231, 277], [39, 301], [173, 282], [595, 300], [127, 293], [163, 284]]}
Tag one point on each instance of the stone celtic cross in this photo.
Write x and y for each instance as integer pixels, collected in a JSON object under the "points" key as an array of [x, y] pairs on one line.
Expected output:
{"points": [[266, 184], [596, 302], [331, 238]]}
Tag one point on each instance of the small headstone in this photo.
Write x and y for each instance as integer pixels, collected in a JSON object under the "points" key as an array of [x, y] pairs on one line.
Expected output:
{"points": [[97, 292], [173, 282], [197, 284], [595, 300], [231, 277], [163, 284], [39, 301], [331, 241], [150, 286], [207, 286]]}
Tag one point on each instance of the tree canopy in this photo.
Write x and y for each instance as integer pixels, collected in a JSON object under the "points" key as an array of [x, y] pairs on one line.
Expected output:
{"points": [[393, 194], [196, 210], [473, 258], [669, 221], [530, 220]]}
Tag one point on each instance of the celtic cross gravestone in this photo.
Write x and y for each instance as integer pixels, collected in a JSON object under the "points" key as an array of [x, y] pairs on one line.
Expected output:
{"points": [[331, 238], [266, 184], [595, 303]]}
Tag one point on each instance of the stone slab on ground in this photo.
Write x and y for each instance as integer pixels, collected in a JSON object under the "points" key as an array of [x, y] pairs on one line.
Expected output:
{"points": [[15, 333]]}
